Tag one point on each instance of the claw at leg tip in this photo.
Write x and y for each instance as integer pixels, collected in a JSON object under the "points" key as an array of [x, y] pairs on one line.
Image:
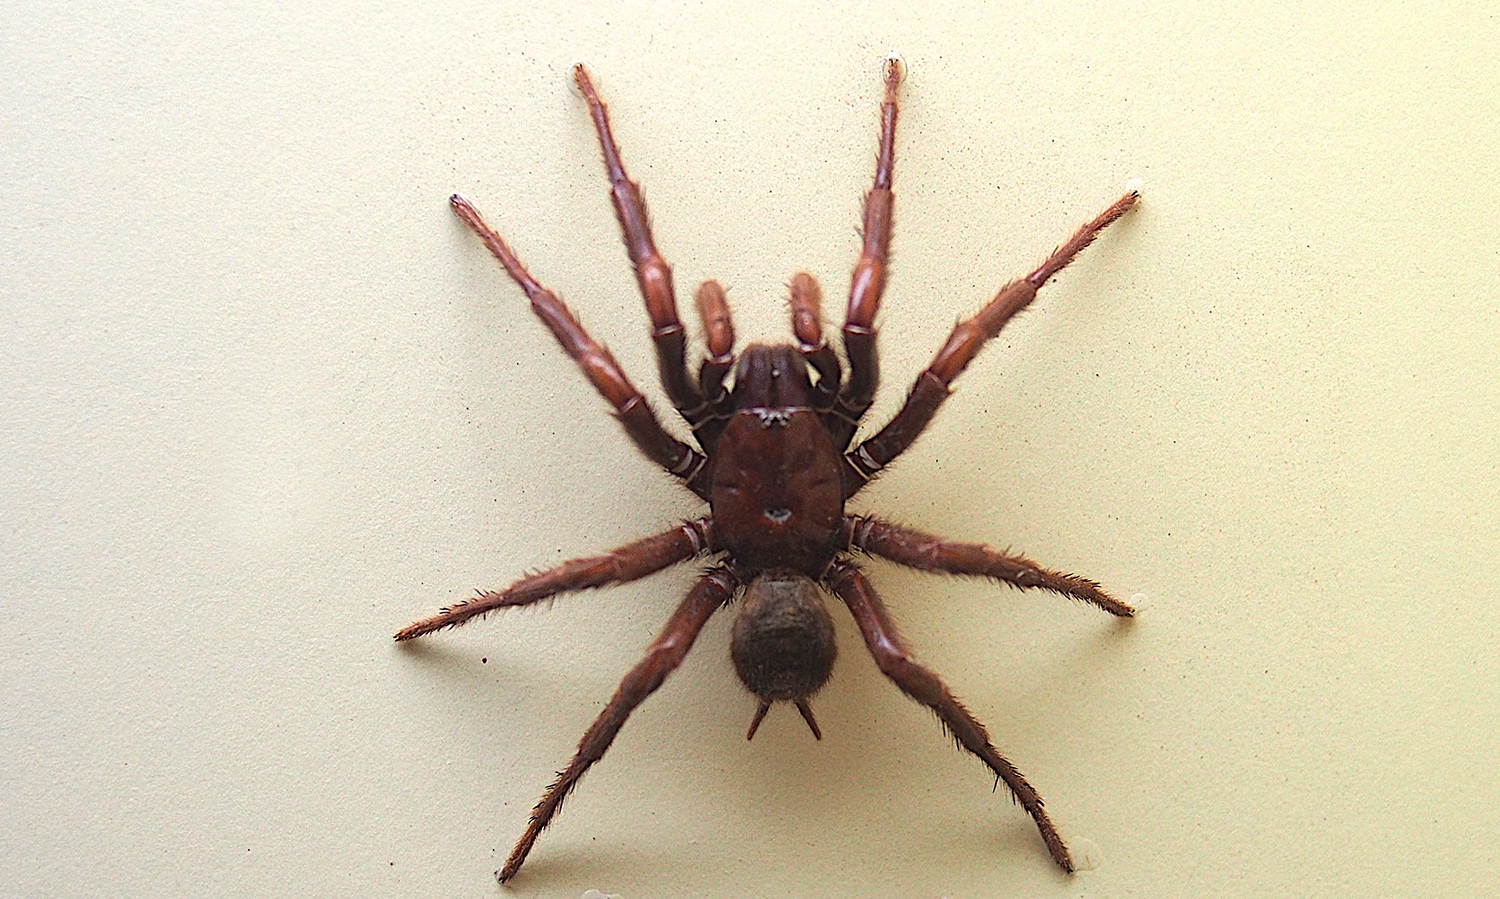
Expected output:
{"points": [[580, 82], [895, 64]]}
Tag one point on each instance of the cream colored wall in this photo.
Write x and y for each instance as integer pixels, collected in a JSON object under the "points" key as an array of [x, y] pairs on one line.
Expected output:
{"points": [[263, 400]]}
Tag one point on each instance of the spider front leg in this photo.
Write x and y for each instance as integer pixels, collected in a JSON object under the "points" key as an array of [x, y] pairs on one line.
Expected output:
{"points": [[849, 583], [967, 339], [713, 591], [652, 272], [925, 552], [625, 563], [867, 283], [598, 365]]}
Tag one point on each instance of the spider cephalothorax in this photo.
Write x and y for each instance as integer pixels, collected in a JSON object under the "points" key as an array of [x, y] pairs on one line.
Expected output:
{"points": [[776, 462]]}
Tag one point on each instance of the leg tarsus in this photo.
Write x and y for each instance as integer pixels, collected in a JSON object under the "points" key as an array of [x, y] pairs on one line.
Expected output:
{"points": [[850, 584], [663, 656], [1081, 238]]}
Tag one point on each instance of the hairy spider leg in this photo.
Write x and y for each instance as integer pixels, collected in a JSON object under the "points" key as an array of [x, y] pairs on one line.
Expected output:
{"points": [[598, 365], [867, 282], [968, 337], [849, 583], [663, 656], [652, 272], [926, 552], [624, 563]]}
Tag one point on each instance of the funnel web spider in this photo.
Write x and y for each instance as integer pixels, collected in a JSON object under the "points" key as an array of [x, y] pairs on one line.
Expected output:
{"points": [[775, 460]]}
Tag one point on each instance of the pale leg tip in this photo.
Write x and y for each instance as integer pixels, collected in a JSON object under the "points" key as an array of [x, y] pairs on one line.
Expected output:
{"points": [[581, 73], [895, 63]]}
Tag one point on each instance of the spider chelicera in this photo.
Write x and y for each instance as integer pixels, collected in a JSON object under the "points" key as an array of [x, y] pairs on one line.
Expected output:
{"points": [[776, 463]]}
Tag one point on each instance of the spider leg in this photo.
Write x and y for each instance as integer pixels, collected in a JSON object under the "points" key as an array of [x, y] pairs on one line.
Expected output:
{"points": [[598, 365], [849, 583], [626, 563], [926, 552], [651, 271], [868, 280], [963, 345], [662, 658]]}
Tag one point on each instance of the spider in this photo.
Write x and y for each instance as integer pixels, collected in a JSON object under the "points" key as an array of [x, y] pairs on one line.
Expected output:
{"points": [[776, 462]]}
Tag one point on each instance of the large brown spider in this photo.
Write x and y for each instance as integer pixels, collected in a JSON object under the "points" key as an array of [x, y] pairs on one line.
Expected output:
{"points": [[775, 465]]}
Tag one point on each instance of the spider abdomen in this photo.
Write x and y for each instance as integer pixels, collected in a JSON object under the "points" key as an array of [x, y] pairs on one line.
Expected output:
{"points": [[782, 643]]}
